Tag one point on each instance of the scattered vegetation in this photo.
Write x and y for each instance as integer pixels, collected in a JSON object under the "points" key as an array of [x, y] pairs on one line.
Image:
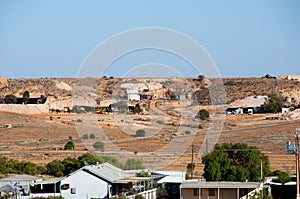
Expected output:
{"points": [[5, 196], [202, 114], [70, 145], [132, 164], [140, 133], [137, 109], [189, 168], [99, 146], [85, 136]]}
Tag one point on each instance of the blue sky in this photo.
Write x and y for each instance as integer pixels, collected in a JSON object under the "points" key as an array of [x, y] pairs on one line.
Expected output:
{"points": [[244, 38]]}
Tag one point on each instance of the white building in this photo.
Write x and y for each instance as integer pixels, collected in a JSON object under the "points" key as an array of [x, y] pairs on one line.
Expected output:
{"points": [[133, 95], [97, 181], [19, 182]]}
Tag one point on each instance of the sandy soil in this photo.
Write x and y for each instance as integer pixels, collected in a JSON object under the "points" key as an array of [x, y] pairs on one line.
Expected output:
{"points": [[37, 138]]}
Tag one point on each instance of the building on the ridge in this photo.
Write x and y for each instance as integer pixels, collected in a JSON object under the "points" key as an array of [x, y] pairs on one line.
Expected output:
{"points": [[133, 95]]}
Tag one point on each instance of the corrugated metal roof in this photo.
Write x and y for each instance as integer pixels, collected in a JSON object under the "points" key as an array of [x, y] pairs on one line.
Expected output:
{"points": [[19, 178], [171, 176], [108, 172], [203, 184]]}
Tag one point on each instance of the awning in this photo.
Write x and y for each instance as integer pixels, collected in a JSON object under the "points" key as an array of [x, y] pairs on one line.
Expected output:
{"points": [[7, 188]]}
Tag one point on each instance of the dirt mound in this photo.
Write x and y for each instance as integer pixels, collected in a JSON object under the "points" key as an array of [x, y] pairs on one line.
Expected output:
{"points": [[251, 101], [3, 82], [63, 86], [293, 115]]}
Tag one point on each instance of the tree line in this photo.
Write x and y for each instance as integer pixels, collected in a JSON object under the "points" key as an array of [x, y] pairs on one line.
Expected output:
{"points": [[59, 168]]}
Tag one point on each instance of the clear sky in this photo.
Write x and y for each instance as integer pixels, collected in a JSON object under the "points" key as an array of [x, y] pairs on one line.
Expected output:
{"points": [[51, 38]]}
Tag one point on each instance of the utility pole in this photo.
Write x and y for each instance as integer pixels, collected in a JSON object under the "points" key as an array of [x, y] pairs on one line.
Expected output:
{"points": [[261, 170], [192, 169], [296, 135], [206, 142]]}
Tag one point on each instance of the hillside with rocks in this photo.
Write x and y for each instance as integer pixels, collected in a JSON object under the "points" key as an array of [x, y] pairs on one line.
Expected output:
{"points": [[35, 134], [199, 90]]}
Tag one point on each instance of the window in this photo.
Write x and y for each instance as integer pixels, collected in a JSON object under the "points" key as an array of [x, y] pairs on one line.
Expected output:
{"points": [[196, 192], [211, 192], [73, 190]]}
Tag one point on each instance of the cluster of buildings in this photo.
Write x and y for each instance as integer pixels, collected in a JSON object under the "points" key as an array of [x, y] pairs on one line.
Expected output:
{"points": [[104, 181]]}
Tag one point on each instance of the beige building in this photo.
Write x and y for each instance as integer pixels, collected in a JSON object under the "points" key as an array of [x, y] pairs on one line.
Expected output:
{"points": [[194, 189]]}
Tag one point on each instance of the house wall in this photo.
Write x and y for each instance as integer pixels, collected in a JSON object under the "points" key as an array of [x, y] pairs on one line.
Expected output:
{"points": [[86, 186], [189, 194]]}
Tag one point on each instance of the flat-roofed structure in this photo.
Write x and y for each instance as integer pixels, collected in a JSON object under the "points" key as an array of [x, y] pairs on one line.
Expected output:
{"points": [[195, 189]]}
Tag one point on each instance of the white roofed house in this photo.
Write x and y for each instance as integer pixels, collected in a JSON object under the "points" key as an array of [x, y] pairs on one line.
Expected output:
{"points": [[98, 181]]}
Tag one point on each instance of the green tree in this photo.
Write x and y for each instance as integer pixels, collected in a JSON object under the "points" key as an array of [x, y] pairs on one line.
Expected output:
{"points": [[202, 114], [234, 162], [55, 168], [273, 105], [92, 136], [137, 109], [69, 145], [88, 158], [26, 97], [190, 168], [30, 168], [283, 177], [71, 165], [10, 99], [132, 164], [99, 146], [3, 167]]}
